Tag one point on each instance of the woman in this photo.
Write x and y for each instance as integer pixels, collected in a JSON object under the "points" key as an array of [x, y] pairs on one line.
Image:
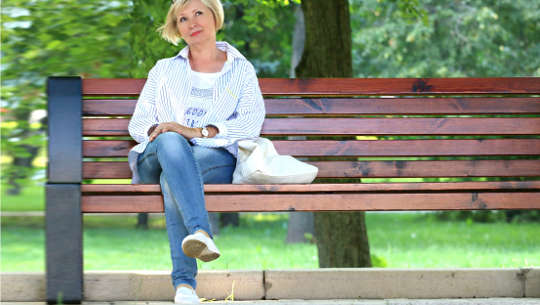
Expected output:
{"points": [[191, 111]]}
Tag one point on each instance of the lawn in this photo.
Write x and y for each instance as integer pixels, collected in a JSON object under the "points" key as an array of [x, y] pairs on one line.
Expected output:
{"points": [[32, 198], [401, 240]]}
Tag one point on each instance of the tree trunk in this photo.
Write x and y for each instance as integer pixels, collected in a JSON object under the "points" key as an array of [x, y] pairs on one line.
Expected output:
{"points": [[299, 37], [299, 223], [142, 221], [342, 239], [341, 236], [229, 219], [327, 49], [21, 167]]}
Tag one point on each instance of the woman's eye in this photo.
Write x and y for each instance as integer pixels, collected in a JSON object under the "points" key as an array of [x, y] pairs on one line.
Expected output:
{"points": [[181, 19], [198, 13]]}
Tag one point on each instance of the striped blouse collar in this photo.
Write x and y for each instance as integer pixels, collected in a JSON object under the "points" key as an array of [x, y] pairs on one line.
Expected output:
{"points": [[232, 52]]}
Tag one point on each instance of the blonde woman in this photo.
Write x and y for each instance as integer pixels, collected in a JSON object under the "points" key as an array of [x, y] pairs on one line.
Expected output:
{"points": [[191, 111]]}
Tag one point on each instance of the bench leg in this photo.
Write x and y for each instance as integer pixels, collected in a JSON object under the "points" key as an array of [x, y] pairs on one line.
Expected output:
{"points": [[64, 244]]}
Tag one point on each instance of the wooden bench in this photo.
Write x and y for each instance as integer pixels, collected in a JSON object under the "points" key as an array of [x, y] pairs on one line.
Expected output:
{"points": [[448, 144]]}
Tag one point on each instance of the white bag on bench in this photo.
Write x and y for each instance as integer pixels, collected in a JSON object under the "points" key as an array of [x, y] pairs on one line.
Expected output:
{"points": [[259, 163]]}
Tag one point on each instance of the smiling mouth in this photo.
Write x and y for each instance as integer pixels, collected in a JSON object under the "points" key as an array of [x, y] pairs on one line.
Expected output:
{"points": [[195, 33]]}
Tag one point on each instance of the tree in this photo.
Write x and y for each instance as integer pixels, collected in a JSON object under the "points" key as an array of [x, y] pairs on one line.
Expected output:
{"points": [[473, 38], [341, 236], [45, 38]]}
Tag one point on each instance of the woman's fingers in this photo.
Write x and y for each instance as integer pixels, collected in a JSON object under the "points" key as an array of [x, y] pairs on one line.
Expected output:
{"points": [[156, 132], [165, 127]]}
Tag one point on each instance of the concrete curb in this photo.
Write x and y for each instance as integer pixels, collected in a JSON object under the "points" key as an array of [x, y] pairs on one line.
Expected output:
{"points": [[315, 284], [489, 301], [392, 283]]}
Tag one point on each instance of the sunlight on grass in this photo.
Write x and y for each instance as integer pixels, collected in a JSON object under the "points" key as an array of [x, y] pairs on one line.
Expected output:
{"points": [[401, 240]]}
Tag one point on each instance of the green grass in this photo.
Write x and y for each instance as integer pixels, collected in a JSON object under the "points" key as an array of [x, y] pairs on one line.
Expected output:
{"points": [[402, 240], [32, 198]]}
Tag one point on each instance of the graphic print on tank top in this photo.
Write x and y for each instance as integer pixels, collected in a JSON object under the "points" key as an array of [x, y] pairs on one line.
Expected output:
{"points": [[200, 99]]}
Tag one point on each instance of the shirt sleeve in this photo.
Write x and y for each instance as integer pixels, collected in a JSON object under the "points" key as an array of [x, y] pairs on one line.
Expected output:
{"points": [[145, 114], [248, 119]]}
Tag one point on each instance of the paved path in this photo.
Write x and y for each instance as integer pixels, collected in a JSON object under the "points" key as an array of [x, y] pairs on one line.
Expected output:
{"points": [[490, 301]]}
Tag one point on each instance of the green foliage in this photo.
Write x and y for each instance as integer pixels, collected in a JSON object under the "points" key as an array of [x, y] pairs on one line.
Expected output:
{"points": [[46, 38], [146, 44], [469, 38]]}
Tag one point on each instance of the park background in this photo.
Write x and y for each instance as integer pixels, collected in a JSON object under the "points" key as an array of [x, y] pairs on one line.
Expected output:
{"points": [[391, 38]]}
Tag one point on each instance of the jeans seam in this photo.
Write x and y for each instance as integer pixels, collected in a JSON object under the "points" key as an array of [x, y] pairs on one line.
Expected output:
{"points": [[216, 167]]}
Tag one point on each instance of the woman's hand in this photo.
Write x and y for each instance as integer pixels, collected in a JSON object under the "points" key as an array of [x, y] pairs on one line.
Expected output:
{"points": [[186, 132]]}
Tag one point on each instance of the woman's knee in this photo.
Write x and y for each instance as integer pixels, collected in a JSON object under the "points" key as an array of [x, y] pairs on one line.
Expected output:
{"points": [[169, 137], [171, 142]]}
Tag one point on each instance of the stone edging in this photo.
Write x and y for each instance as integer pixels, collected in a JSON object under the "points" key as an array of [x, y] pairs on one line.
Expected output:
{"points": [[372, 283]]}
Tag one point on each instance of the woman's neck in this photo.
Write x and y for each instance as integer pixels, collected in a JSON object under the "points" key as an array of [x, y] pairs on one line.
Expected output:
{"points": [[206, 58]]}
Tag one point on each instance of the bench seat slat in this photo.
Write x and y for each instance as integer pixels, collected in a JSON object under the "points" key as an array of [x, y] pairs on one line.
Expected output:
{"points": [[370, 148], [371, 169], [360, 126], [348, 86], [367, 106], [324, 202], [323, 188]]}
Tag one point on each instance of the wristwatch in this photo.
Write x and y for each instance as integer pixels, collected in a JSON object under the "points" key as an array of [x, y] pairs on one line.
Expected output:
{"points": [[205, 132]]}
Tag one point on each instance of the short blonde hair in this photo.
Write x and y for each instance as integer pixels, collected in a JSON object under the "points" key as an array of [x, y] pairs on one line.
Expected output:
{"points": [[169, 31]]}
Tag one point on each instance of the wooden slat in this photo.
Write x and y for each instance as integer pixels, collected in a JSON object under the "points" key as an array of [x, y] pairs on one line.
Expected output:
{"points": [[372, 148], [410, 169], [108, 107], [403, 126], [112, 87], [402, 106], [360, 126], [107, 189], [107, 148], [404, 148], [400, 86], [325, 202], [365, 106], [372, 169], [349, 86]]}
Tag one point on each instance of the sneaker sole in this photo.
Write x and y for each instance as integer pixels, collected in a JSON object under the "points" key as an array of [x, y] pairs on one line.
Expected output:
{"points": [[187, 302], [195, 248]]}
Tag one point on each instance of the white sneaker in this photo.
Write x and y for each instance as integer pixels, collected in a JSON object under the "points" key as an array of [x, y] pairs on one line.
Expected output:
{"points": [[198, 245], [185, 295]]}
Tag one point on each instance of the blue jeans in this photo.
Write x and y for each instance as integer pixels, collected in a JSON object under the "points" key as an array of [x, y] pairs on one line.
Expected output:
{"points": [[181, 169]]}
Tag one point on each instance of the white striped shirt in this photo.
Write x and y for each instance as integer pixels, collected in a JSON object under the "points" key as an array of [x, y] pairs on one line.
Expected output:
{"points": [[237, 108]]}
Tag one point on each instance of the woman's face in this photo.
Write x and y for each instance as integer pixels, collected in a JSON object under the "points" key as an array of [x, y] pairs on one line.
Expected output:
{"points": [[196, 23]]}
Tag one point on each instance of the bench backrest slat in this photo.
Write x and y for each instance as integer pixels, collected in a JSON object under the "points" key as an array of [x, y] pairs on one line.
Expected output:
{"points": [[348, 86], [359, 106], [360, 128]]}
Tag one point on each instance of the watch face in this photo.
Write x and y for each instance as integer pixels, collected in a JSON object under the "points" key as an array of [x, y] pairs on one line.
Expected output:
{"points": [[204, 132]]}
